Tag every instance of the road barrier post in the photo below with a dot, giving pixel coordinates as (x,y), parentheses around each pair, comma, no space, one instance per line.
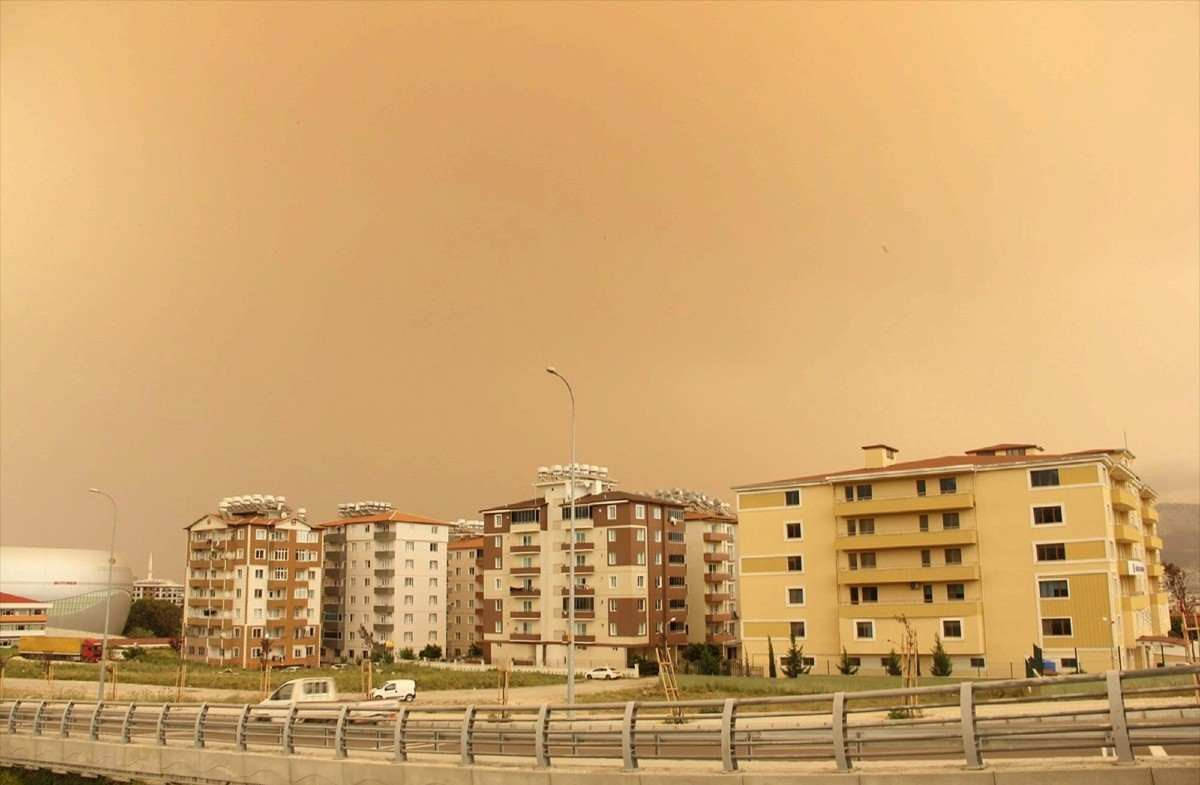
(239,736)
(966,707)
(339,735)
(468,727)
(1116,716)
(398,740)
(126,724)
(198,730)
(541,738)
(64,724)
(94,729)
(289,724)
(838,722)
(628,737)
(37,718)
(729,760)
(160,727)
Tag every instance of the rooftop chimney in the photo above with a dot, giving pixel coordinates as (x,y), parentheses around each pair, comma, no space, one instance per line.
(879,455)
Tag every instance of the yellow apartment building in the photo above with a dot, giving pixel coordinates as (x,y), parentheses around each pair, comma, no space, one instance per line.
(994,550)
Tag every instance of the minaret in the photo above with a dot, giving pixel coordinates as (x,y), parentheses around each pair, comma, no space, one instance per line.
(150,568)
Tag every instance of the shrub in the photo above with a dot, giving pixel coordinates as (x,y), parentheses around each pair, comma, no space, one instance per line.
(407,653)
(431,652)
(474,651)
(941,660)
(793,661)
(771,659)
(844,667)
(892,663)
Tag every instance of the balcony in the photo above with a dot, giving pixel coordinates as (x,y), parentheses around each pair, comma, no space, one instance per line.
(1130,568)
(526,614)
(949,572)
(335,539)
(717,577)
(385,572)
(716,537)
(1135,602)
(382,626)
(579,546)
(383,608)
(525,636)
(715,618)
(521,591)
(716,557)
(915,610)
(673,638)
(1123,499)
(525,526)
(904,504)
(713,599)
(581,615)
(580,569)
(722,637)
(385,589)
(579,590)
(1154,570)
(917,539)
(525,570)
(1154,543)
(525,549)
(384,536)
(1149,514)
(1123,533)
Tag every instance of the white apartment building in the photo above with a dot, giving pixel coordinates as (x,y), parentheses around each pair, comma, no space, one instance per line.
(385,581)
(151,588)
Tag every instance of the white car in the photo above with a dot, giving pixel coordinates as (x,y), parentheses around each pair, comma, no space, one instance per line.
(602,673)
(396,689)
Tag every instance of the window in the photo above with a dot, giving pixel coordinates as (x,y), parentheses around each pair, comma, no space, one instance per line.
(849,489)
(956,591)
(948,485)
(923,523)
(795,595)
(612,535)
(866,525)
(866,559)
(854,592)
(952,628)
(1049,514)
(795,563)
(1060,627)
(920,487)
(639,512)
(1043,478)
(612,512)
(612,629)
(864,630)
(1054,589)
(641,535)
(658,513)
(641,581)
(791,498)
(1054,551)
(612,558)
(925,558)
(870,594)
(497,521)
(1070,662)
(525,516)
(797,629)
(794,531)
(863,492)
(260,553)
(927,592)
(852,557)
(953,555)
(978,662)
(641,557)
(949,520)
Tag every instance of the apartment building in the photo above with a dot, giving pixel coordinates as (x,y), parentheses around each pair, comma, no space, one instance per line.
(993,551)
(385,581)
(253,585)
(630,572)
(151,588)
(464,597)
(712,580)
(21,617)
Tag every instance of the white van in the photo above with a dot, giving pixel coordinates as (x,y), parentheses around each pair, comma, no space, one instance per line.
(396,689)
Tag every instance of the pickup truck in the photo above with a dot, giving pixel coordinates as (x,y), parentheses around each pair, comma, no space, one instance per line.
(320,692)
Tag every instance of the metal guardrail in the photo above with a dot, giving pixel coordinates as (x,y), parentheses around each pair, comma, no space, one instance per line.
(970,721)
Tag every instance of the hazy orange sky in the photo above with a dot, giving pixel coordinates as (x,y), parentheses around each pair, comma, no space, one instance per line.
(326,250)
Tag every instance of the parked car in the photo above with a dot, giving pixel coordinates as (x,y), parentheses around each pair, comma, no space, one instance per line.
(318,692)
(602,673)
(396,689)
(290,669)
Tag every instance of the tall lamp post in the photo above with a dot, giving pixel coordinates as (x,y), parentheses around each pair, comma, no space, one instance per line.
(570,548)
(107,592)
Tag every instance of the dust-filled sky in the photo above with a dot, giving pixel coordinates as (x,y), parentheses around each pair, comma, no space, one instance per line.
(327,250)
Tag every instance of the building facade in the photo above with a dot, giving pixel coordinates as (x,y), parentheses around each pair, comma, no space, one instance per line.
(712,580)
(75,581)
(385,581)
(993,551)
(464,597)
(21,617)
(630,573)
(253,591)
(151,588)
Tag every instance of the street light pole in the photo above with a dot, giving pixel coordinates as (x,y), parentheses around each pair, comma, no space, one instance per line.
(570,548)
(112,547)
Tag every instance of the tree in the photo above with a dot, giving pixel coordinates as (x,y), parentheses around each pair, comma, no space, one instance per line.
(941,660)
(1175,582)
(160,617)
(1035,666)
(845,667)
(431,652)
(407,653)
(474,651)
(771,659)
(138,632)
(793,661)
(892,663)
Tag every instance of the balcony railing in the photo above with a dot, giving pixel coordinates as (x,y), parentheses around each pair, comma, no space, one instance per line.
(904,504)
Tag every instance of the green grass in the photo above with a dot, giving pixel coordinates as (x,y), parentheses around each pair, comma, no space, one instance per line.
(160,668)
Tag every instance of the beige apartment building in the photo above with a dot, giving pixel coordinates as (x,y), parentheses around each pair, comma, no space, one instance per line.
(385,581)
(712,580)
(253,585)
(994,550)
(464,597)
(630,573)
(151,588)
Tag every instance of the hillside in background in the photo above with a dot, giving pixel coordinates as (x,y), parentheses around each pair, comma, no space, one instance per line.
(1179,527)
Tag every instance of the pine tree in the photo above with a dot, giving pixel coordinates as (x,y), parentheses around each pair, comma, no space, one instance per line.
(845,667)
(941,660)
(793,661)
(771,659)
(892,663)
